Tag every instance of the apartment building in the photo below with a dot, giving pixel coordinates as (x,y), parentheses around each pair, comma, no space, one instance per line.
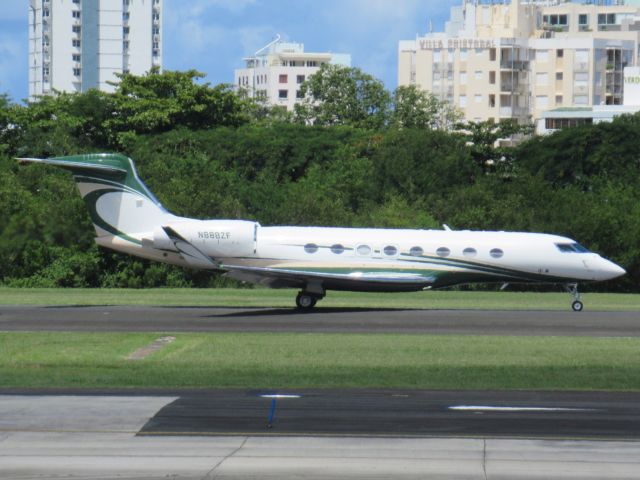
(517,59)
(75,45)
(276,72)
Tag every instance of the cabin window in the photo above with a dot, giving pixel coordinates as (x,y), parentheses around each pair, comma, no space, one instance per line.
(469,252)
(443,252)
(311,248)
(496,253)
(571,248)
(337,249)
(416,252)
(363,250)
(390,250)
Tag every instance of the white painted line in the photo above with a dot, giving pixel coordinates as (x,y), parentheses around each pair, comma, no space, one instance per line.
(490,408)
(280,396)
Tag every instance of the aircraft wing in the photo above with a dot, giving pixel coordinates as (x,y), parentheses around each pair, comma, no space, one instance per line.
(356,280)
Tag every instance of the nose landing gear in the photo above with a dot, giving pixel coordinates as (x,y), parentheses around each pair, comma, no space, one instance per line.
(576,305)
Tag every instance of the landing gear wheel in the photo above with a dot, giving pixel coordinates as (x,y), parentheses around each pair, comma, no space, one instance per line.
(304,301)
(576,305)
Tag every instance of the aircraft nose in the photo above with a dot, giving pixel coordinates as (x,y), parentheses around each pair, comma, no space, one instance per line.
(609,270)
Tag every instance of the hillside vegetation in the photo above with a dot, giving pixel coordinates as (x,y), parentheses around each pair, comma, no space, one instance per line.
(361,157)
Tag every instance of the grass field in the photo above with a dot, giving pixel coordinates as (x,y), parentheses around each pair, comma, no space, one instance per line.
(226,297)
(248,360)
(280,360)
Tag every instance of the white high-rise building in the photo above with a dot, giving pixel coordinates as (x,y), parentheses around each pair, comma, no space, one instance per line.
(276,71)
(76,45)
(519,58)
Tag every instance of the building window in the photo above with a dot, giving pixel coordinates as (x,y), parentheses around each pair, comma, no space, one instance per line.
(463,54)
(492,54)
(283,78)
(156,16)
(560,123)
(559,75)
(75,43)
(76,72)
(125,3)
(492,100)
(125,45)
(156,30)
(463,78)
(583,21)
(75,14)
(299,94)
(542,101)
(45,70)
(75,57)
(606,19)
(76,1)
(555,19)
(125,16)
(75,29)
(492,78)
(558,99)
(478,98)
(45,12)
(542,55)
(559,53)
(283,94)
(125,30)
(462,101)
(478,74)
(155,52)
(312,63)
(300,79)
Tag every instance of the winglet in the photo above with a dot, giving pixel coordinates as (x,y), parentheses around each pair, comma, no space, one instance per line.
(189,252)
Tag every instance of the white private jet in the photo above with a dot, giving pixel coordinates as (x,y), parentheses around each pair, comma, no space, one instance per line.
(128,218)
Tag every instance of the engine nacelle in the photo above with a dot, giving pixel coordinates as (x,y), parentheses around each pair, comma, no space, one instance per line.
(217,238)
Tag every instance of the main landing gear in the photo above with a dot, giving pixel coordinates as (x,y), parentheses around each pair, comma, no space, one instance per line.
(576,305)
(307,300)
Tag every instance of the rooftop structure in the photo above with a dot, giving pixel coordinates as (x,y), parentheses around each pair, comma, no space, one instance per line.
(276,71)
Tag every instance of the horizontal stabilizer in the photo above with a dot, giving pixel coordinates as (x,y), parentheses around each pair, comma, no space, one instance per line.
(76,166)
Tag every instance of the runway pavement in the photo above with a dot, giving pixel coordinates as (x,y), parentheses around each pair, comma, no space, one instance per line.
(352,320)
(107,436)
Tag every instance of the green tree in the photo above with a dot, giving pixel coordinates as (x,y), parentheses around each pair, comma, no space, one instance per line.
(484,142)
(416,108)
(338,95)
(157,102)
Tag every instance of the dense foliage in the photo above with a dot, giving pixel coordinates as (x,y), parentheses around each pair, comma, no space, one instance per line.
(362,157)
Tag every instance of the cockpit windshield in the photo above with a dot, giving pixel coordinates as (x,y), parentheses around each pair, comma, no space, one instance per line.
(571,248)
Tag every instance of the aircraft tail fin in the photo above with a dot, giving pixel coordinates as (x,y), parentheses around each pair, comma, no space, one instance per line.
(118,202)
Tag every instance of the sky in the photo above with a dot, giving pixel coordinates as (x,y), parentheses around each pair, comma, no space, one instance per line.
(212,36)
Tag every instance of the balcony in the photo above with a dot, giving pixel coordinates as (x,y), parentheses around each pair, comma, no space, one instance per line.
(514,64)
